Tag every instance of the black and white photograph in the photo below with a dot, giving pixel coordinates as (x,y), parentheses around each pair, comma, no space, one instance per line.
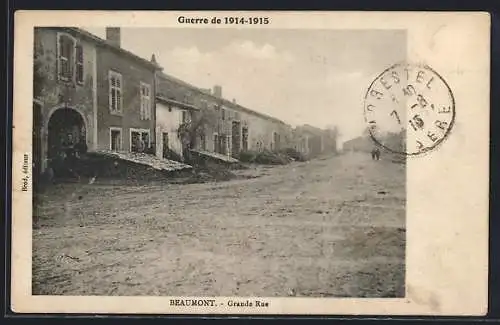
(204,162)
(231,155)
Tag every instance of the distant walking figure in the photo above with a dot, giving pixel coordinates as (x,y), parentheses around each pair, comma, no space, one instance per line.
(376,154)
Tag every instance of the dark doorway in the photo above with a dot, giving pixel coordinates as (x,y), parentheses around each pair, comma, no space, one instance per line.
(165,145)
(223,144)
(236,141)
(203,141)
(216,143)
(244,139)
(64,121)
(315,145)
(65,125)
(276,141)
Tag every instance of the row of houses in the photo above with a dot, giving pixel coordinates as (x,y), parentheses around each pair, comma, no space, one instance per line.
(111,99)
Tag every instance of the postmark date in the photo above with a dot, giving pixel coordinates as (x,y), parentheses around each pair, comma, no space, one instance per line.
(411,103)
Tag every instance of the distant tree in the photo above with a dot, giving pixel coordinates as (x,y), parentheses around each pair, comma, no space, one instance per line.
(333,135)
(367,131)
(396,141)
(191,130)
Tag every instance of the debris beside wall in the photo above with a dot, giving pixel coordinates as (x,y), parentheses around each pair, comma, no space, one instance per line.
(131,166)
(146,159)
(216,156)
(211,160)
(265,157)
(294,154)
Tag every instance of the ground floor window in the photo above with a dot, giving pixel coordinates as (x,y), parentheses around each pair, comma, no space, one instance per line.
(222,144)
(115,136)
(139,140)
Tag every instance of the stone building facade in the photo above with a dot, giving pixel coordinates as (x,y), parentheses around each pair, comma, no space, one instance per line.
(110,99)
(232,128)
(359,144)
(90,88)
(65,96)
(125,97)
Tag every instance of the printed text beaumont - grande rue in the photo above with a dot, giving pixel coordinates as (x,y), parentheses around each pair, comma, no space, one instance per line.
(214,303)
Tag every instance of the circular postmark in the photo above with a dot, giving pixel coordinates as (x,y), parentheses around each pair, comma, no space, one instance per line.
(409,109)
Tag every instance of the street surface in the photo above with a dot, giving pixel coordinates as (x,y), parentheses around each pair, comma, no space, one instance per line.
(331,227)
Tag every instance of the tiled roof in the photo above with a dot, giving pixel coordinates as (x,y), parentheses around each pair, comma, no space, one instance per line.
(175,102)
(106,44)
(145,159)
(217,156)
(224,101)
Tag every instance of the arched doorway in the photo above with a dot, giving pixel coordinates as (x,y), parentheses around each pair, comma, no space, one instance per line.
(62,122)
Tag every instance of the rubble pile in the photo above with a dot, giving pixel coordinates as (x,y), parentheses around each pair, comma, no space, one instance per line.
(132,166)
(216,156)
(212,160)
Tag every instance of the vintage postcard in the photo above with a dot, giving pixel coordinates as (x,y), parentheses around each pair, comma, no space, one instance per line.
(330,163)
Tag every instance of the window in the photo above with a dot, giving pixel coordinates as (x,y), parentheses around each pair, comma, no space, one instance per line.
(188,99)
(185,116)
(115,142)
(79,64)
(115,92)
(139,140)
(69,59)
(145,101)
(204,104)
(223,114)
(65,56)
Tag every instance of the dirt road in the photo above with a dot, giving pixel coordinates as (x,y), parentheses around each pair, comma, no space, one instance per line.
(328,227)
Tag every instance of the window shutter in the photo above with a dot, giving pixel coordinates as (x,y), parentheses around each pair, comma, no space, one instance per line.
(111,90)
(67,56)
(118,100)
(59,49)
(148,108)
(79,64)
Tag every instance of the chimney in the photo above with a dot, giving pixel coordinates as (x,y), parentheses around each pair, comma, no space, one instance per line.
(113,36)
(234,100)
(153,59)
(218,91)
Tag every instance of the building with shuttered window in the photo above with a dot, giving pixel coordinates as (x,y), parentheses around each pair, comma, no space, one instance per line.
(92,88)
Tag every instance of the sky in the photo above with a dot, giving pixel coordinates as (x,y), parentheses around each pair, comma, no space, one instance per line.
(316,77)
